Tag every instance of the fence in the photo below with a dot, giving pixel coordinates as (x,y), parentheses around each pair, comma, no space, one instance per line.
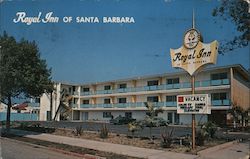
(19,117)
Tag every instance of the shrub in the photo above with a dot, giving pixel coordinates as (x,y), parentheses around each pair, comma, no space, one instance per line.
(3,123)
(23,125)
(200,138)
(134,126)
(209,129)
(78,131)
(167,138)
(3,132)
(104,132)
(36,125)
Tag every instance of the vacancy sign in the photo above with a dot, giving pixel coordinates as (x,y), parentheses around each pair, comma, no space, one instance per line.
(193,104)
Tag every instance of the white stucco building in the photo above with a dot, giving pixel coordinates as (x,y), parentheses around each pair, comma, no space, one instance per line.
(227,86)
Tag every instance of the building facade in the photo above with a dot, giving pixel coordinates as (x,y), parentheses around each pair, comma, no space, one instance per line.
(227,86)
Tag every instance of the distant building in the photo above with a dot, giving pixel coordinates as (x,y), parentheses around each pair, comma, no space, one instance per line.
(228,86)
(3,107)
(20,112)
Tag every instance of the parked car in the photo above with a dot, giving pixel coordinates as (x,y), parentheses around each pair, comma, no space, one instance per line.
(121,120)
(156,122)
(161,122)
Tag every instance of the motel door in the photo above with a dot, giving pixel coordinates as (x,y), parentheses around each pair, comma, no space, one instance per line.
(85,116)
(173,118)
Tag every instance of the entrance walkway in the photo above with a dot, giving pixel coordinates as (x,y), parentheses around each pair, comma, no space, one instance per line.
(108,147)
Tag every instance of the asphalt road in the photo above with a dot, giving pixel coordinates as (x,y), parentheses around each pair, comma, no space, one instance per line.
(119,129)
(12,149)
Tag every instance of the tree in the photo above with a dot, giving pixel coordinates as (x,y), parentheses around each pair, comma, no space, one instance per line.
(238,12)
(151,117)
(22,71)
(238,114)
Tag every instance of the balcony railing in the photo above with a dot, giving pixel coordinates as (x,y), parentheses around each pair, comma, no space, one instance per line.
(219,82)
(206,83)
(128,105)
(224,102)
(73,105)
(171,104)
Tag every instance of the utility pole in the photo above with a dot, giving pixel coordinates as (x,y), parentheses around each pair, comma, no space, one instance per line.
(51,104)
(0,66)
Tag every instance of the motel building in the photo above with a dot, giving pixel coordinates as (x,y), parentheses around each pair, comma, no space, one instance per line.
(226,86)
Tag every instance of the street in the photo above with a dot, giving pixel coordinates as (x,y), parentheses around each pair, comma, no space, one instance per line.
(12,149)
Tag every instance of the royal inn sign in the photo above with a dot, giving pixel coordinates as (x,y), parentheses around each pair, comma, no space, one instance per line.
(194,54)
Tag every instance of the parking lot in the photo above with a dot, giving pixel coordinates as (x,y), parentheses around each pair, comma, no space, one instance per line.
(119,129)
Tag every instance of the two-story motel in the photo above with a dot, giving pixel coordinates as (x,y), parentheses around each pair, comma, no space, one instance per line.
(227,86)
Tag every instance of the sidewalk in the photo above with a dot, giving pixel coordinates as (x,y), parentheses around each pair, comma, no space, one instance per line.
(108,147)
(231,150)
(228,151)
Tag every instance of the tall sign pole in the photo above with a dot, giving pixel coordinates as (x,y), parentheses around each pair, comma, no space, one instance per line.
(193,92)
(194,55)
(193,115)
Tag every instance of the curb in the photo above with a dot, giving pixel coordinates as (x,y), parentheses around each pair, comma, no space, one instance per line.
(84,156)
(236,133)
(216,148)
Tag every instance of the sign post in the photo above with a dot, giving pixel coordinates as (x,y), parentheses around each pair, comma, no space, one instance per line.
(193,115)
(192,56)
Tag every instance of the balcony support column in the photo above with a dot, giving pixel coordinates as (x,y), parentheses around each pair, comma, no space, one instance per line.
(133,99)
(134,83)
(160,98)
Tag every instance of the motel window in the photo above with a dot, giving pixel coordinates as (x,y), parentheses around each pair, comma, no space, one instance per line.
(153,83)
(128,115)
(170,117)
(149,114)
(124,85)
(107,87)
(176,118)
(85,89)
(171,98)
(152,99)
(85,102)
(107,115)
(218,76)
(37,100)
(122,100)
(219,96)
(74,88)
(75,100)
(173,81)
(70,90)
(107,101)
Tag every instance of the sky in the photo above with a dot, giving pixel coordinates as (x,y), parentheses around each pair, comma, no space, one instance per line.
(95,52)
